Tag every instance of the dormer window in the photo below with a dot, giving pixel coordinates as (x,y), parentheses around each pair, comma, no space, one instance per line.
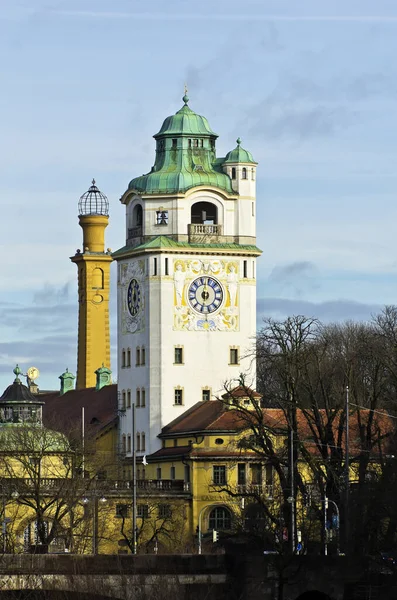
(244,173)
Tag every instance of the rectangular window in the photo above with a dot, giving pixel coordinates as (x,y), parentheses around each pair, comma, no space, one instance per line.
(123,444)
(166,266)
(256,474)
(138,442)
(142,511)
(138,397)
(172,473)
(128,357)
(178,397)
(174,143)
(253,269)
(253,209)
(155,266)
(143,397)
(165,511)
(143,442)
(158,473)
(128,398)
(178,355)
(219,474)
(123,358)
(206,395)
(245,269)
(162,217)
(122,511)
(187,474)
(129,443)
(233,358)
(143,356)
(123,402)
(241,474)
(138,357)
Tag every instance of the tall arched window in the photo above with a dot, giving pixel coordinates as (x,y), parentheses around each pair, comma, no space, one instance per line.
(137,216)
(244,173)
(97,279)
(219,518)
(233,172)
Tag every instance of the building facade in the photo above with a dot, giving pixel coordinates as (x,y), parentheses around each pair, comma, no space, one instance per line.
(186,278)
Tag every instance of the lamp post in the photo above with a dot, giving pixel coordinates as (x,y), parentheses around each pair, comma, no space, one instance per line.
(96,500)
(347,475)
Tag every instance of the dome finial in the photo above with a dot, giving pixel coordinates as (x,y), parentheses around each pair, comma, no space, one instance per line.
(93,181)
(17,371)
(185,97)
(238,141)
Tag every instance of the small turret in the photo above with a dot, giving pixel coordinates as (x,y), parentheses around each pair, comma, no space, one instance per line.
(103,377)
(241,168)
(67,382)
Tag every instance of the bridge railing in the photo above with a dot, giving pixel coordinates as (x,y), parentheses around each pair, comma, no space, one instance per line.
(111,487)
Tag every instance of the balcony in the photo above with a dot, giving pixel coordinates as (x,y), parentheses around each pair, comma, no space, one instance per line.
(201,233)
(134,236)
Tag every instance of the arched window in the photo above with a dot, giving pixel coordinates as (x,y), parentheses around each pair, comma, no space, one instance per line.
(233,172)
(137,216)
(244,173)
(253,174)
(219,518)
(205,213)
(97,279)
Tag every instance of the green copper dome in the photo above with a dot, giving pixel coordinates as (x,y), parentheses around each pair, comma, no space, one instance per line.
(239,155)
(185,157)
(186,122)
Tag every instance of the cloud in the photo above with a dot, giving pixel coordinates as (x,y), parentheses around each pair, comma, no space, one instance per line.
(296,277)
(52,295)
(328,311)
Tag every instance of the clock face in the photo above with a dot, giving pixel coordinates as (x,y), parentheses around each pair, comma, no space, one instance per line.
(134,297)
(205,295)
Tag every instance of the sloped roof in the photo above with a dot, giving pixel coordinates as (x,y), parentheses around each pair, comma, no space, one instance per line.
(64,413)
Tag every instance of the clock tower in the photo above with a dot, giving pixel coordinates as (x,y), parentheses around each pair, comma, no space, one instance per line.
(186,278)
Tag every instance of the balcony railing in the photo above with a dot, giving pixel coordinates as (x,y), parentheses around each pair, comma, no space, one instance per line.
(201,230)
(134,232)
(50,485)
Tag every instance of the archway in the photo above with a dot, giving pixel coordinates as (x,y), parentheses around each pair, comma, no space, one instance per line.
(137,216)
(204,213)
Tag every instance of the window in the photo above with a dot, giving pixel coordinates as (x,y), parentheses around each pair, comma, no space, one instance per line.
(155,266)
(128,357)
(138,442)
(143,356)
(128,398)
(123,444)
(137,216)
(178,397)
(122,511)
(175,443)
(158,473)
(269,480)
(143,442)
(138,357)
(190,143)
(172,473)
(253,208)
(129,443)
(219,474)
(174,143)
(233,172)
(123,400)
(219,518)
(195,143)
(219,441)
(244,173)
(162,217)
(256,474)
(187,474)
(123,358)
(138,397)
(245,269)
(178,355)
(253,174)
(143,397)
(206,395)
(142,511)
(233,358)
(166,267)
(165,511)
(241,474)
(253,269)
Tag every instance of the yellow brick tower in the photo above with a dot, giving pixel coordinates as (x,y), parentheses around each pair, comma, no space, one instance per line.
(93,265)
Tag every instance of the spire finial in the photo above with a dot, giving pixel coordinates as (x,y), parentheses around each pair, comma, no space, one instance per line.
(17,371)
(93,181)
(238,141)
(185,97)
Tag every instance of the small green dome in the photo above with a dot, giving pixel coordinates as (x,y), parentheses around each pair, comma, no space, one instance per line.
(186,122)
(239,155)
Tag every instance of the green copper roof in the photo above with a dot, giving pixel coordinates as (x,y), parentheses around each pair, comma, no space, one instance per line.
(185,157)
(186,122)
(165,242)
(239,155)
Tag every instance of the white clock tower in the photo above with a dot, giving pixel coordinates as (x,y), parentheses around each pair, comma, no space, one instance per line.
(186,278)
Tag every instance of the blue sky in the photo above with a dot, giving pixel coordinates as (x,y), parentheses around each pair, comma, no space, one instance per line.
(311,89)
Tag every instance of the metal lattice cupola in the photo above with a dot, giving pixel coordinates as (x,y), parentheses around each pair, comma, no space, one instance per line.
(93,202)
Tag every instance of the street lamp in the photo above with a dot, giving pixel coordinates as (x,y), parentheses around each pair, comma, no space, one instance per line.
(86,501)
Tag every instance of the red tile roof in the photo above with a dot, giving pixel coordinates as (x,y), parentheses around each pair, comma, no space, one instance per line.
(64,413)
